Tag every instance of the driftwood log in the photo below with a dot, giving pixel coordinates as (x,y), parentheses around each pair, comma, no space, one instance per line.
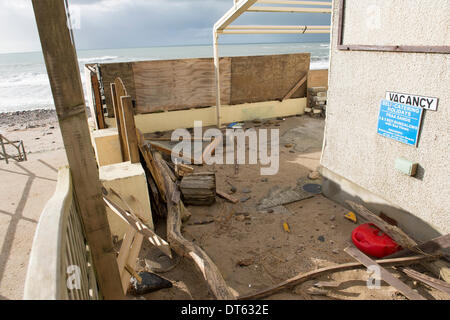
(183,247)
(199,189)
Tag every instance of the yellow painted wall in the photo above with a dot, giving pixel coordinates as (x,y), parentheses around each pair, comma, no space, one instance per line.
(130,182)
(107,146)
(166,121)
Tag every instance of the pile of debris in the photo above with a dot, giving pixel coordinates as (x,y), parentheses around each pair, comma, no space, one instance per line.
(317,101)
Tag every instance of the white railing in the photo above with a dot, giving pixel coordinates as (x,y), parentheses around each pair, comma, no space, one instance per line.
(60,266)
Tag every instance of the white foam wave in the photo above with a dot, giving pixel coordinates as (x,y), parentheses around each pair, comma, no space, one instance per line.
(96,59)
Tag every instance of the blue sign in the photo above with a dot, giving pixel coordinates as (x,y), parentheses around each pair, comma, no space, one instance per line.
(400,122)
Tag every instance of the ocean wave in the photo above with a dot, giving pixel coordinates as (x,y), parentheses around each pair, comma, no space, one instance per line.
(95,59)
(24,79)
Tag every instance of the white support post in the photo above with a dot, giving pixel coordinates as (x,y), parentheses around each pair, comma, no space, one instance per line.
(217,72)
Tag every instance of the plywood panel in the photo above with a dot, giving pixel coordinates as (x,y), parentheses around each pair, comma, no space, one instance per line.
(266,78)
(109,73)
(179,84)
(318,78)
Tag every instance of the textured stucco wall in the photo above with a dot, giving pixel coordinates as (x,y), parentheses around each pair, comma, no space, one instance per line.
(399,22)
(352,148)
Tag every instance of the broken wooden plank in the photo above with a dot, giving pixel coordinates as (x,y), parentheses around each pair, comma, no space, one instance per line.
(119,126)
(432,282)
(183,247)
(342,267)
(150,235)
(433,246)
(385,275)
(226,196)
(168,151)
(295,88)
(130,128)
(394,232)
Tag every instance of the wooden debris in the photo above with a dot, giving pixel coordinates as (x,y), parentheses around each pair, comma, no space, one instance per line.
(129,251)
(226,196)
(150,235)
(133,273)
(432,282)
(385,275)
(199,189)
(183,247)
(327,284)
(394,232)
(437,268)
(342,267)
(245,262)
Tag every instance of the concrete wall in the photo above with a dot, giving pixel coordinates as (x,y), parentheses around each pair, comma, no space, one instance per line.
(355,157)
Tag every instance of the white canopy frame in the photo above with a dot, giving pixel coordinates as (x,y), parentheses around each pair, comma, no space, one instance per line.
(222,26)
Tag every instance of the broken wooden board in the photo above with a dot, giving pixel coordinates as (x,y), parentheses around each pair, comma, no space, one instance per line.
(432,282)
(129,252)
(141,228)
(342,267)
(385,275)
(226,196)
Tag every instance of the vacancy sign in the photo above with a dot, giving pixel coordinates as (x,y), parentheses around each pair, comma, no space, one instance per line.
(400,122)
(427,103)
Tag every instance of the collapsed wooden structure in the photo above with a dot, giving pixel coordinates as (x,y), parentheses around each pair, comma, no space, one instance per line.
(17,145)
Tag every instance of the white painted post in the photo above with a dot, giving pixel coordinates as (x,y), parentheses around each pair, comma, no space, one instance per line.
(217,72)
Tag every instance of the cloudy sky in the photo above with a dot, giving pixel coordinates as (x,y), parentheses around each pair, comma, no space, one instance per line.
(143,23)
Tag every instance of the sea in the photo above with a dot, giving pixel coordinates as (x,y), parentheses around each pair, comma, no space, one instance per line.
(24,83)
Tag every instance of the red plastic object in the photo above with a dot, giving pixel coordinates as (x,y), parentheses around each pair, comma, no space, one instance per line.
(372,241)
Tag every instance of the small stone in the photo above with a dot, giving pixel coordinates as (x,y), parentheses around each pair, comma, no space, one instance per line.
(245,262)
(335,251)
(270,211)
(291,151)
(314,175)
(265,180)
(240,217)
(321,238)
(245,199)
(246,190)
(233,189)
(333,226)
(332,218)
(288,145)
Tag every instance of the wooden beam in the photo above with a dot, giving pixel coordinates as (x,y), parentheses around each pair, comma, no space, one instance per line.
(385,275)
(116,105)
(98,102)
(434,246)
(255,27)
(289,9)
(316,273)
(120,91)
(140,227)
(130,129)
(234,13)
(64,75)
(432,282)
(293,2)
(296,87)
(210,148)
(226,196)
(278,31)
